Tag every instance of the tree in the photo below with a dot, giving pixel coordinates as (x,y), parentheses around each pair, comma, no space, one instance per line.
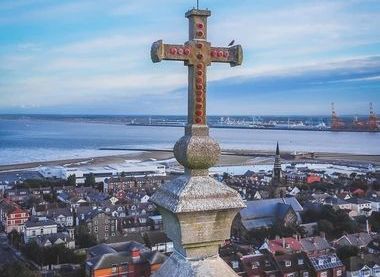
(72,180)
(15,238)
(83,238)
(374,221)
(17,269)
(90,180)
(347,251)
(325,226)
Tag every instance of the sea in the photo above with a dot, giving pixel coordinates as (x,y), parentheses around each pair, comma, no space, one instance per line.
(31,139)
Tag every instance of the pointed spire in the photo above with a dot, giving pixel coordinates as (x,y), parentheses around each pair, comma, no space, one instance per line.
(277,149)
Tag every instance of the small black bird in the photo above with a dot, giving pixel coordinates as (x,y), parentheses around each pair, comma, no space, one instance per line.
(231,43)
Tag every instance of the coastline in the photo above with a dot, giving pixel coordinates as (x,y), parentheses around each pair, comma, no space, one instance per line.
(228,158)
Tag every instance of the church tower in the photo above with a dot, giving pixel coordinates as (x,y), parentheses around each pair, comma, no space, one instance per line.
(277,173)
(278,188)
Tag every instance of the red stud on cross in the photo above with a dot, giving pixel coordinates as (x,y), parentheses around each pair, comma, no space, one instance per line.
(197,53)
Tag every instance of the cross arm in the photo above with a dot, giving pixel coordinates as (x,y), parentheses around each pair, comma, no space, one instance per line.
(176,52)
(232,55)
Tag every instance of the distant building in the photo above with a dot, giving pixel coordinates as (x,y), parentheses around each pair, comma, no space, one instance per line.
(282,245)
(360,206)
(17,195)
(293,265)
(56,239)
(158,241)
(12,216)
(257,264)
(122,259)
(278,188)
(103,172)
(315,246)
(39,227)
(363,266)
(265,213)
(101,225)
(62,216)
(360,240)
(327,266)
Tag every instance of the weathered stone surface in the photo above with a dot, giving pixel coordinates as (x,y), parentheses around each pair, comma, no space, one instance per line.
(196,193)
(177,265)
(197,210)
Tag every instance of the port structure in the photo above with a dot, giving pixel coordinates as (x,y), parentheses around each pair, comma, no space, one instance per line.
(372,119)
(336,122)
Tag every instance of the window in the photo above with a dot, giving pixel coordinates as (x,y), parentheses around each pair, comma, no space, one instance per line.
(288,263)
(235,264)
(300,261)
(96,229)
(305,274)
(290,275)
(333,259)
(114,268)
(255,264)
(324,274)
(339,272)
(42,231)
(320,262)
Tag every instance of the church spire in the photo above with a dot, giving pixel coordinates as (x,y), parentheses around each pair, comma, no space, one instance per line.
(277,150)
(277,167)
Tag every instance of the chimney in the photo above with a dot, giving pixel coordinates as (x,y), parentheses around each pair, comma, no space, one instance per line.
(135,254)
(322,235)
(367,226)
(283,243)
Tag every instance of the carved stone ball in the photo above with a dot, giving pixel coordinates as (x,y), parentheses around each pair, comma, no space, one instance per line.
(197,152)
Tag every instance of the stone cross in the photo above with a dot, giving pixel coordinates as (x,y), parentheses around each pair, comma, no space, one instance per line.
(197,210)
(197,53)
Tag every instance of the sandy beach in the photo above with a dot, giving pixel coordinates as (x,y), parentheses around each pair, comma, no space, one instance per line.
(228,157)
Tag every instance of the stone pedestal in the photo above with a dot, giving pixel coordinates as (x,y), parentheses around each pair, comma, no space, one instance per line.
(197,210)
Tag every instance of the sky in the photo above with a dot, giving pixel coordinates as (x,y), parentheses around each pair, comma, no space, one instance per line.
(93,57)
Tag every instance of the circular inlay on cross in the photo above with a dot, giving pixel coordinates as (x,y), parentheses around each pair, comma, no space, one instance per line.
(200,56)
(187,51)
(200,34)
(199,86)
(199,99)
(198,112)
(199,66)
(198,120)
(173,50)
(200,25)
(200,72)
(199,92)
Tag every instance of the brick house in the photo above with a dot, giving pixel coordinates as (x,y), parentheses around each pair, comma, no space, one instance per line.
(12,216)
(294,265)
(122,259)
(327,266)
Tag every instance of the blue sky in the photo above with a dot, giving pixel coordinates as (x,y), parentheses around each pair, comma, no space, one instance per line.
(93,57)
